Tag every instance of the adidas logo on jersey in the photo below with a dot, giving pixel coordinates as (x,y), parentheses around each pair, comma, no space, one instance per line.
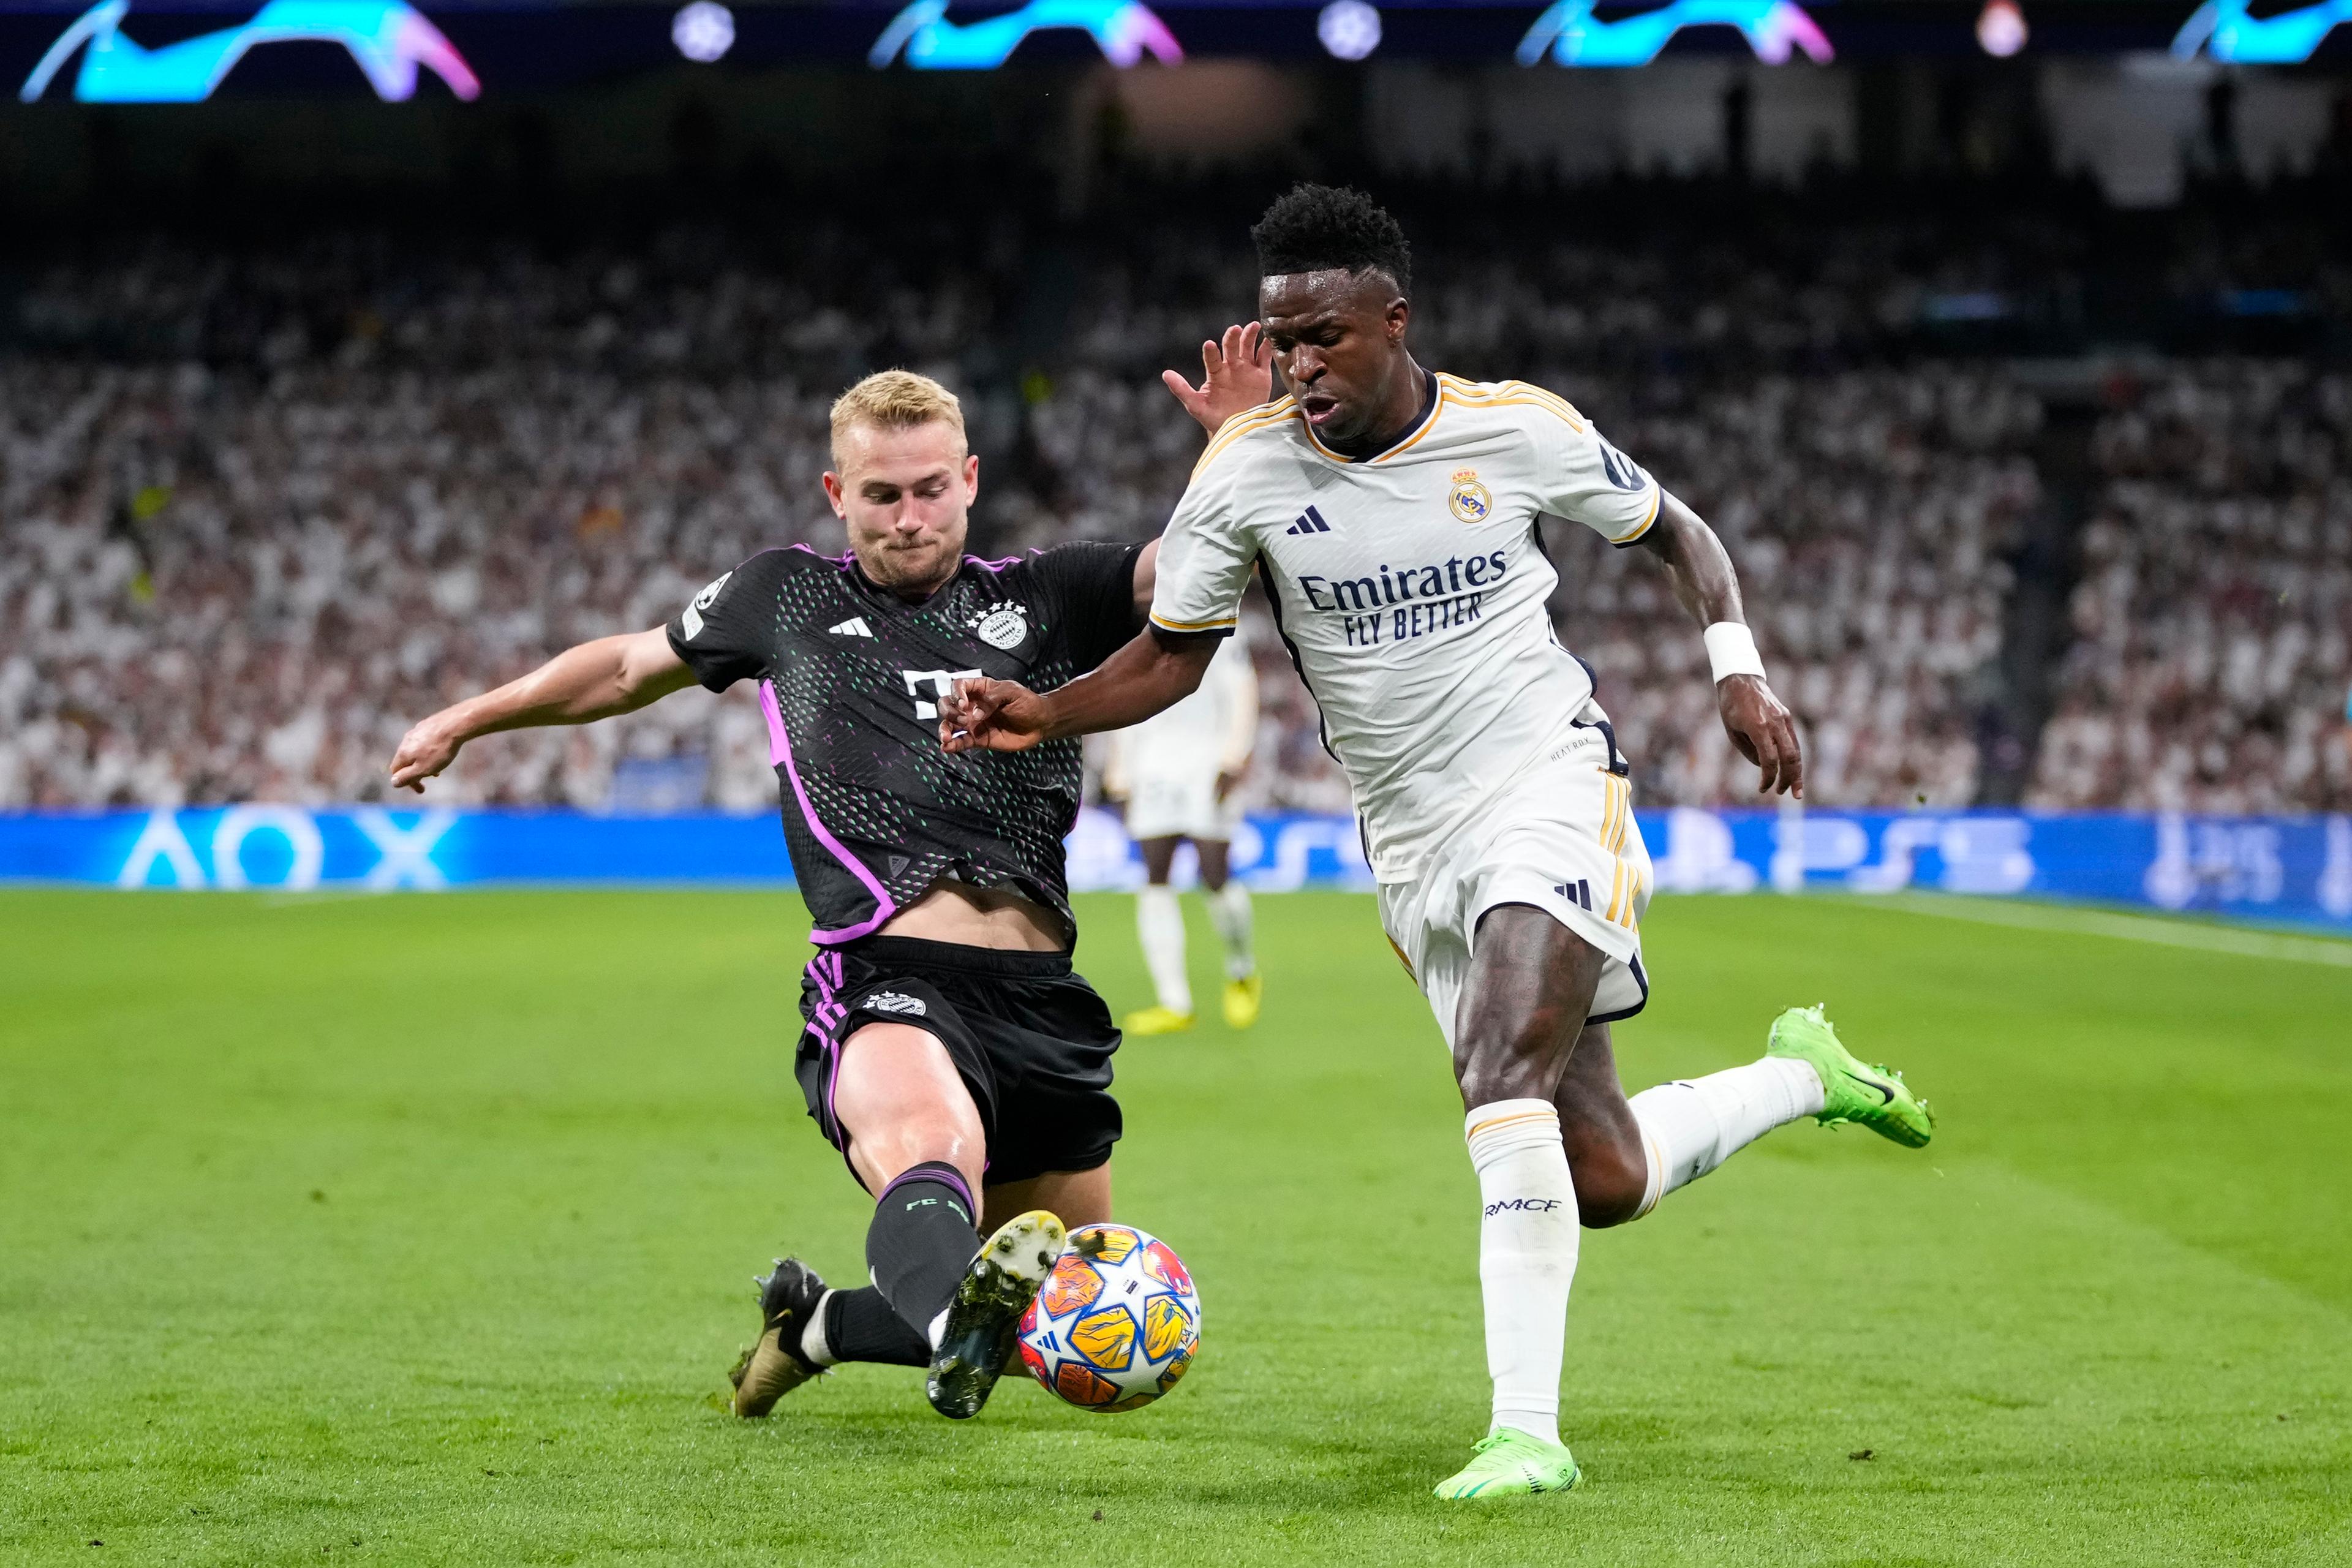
(1310,522)
(854,626)
(1577,892)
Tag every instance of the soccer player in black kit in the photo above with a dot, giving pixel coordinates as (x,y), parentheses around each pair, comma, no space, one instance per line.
(947,1050)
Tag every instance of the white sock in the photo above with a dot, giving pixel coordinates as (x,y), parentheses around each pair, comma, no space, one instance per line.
(1159,926)
(1229,912)
(1691,1126)
(1527,1257)
(814,1348)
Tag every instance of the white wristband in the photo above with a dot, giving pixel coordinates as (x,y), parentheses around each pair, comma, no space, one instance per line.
(1731,650)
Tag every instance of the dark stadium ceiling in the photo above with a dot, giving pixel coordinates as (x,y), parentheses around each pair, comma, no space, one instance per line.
(165,51)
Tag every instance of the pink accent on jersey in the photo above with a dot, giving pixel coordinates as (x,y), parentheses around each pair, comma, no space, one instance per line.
(779,751)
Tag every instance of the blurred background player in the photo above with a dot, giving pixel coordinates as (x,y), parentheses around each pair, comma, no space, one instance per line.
(1179,773)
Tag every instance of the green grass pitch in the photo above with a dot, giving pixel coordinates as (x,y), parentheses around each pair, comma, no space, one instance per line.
(420,1229)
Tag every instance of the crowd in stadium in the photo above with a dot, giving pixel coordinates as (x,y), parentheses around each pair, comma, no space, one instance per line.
(2213,622)
(257,515)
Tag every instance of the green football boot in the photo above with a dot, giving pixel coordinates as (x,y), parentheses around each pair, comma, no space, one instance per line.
(1510,1463)
(1873,1097)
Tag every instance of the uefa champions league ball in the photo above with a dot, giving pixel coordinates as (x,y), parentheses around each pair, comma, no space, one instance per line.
(1116,1323)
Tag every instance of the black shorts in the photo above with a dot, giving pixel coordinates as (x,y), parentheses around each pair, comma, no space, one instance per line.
(1030,1039)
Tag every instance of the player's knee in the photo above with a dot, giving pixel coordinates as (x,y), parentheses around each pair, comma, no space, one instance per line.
(1610,1182)
(881,1147)
(947,1131)
(1522,1063)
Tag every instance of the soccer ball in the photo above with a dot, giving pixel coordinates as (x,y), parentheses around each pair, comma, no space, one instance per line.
(1117,1321)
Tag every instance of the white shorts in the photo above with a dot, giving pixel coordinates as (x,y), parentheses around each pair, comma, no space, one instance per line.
(1172,803)
(1561,838)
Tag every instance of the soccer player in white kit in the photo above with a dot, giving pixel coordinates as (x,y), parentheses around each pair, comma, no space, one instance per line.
(1394,515)
(1177,772)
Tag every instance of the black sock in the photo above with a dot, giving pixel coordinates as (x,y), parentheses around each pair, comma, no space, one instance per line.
(922,1242)
(860,1326)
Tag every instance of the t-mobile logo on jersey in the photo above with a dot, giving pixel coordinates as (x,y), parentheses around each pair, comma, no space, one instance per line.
(941,683)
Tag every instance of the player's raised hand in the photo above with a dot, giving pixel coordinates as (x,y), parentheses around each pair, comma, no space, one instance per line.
(427,748)
(991,716)
(1759,725)
(1236,374)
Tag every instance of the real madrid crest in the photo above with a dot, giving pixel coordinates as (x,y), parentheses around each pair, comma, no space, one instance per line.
(1470,501)
(1002,626)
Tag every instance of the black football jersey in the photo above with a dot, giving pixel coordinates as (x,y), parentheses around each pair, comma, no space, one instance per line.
(850,679)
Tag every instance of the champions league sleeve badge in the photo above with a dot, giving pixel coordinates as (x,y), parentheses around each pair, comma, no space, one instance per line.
(692,619)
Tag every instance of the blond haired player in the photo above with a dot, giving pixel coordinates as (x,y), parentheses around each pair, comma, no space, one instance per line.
(947,1049)
(1177,771)
(1394,515)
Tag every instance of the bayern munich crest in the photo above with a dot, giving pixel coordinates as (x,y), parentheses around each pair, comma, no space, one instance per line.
(1002,626)
(1470,501)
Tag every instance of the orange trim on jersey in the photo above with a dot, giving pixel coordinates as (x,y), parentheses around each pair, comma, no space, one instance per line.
(1556,409)
(1512,1120)
(1567,410)
(1242,425)
(1657,1162)
(1514,394)
(1657,497)
(1194,626)
(1436,407)
(1317,441)
(1264,416)
(1427,427)
(1253,411)
(1615,795)
(1409,974)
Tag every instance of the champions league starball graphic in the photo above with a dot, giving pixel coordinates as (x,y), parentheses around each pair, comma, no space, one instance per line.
(2228,31)
(1124,30)
(387,39)
(1573,35)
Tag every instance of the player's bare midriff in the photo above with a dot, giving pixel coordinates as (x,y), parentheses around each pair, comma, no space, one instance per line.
(980,917)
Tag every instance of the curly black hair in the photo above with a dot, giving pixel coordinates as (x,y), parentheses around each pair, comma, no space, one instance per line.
(1315,228)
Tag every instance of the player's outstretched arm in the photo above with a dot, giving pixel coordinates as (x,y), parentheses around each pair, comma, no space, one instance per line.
(1701,573)
(1158,669)
(1237,375)
(594,680)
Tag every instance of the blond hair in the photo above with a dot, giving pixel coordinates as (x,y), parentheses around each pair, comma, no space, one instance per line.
(894,400)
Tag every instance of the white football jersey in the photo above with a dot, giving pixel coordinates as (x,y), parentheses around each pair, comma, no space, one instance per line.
(1210,732)
(1410,587)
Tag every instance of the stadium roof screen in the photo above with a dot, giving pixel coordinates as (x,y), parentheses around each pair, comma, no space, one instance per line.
(182,51)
